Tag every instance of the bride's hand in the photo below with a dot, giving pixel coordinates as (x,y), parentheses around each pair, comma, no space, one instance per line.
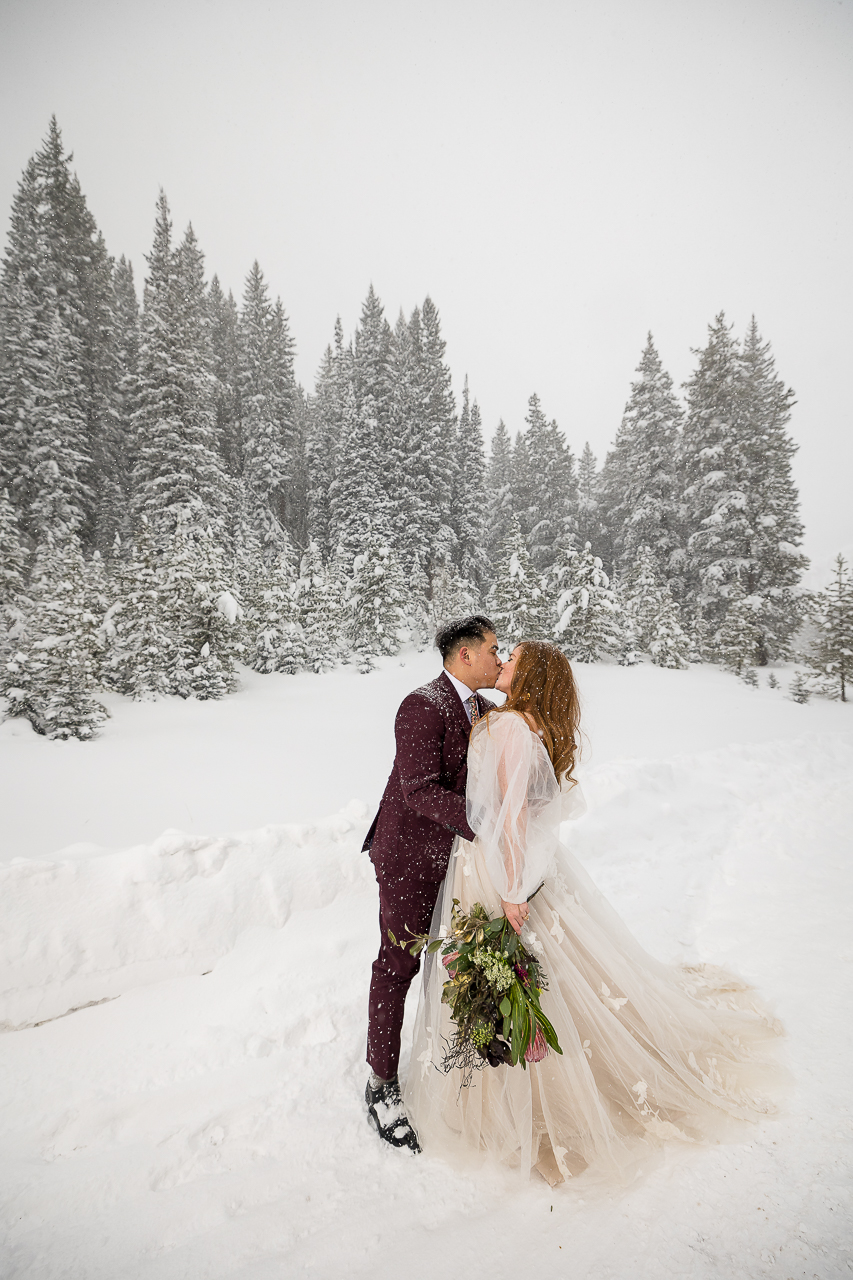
(516,913)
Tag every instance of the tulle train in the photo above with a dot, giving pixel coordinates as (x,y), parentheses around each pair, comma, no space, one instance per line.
(650,1051)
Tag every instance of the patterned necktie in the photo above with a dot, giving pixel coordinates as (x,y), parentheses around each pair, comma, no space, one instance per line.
(473,708)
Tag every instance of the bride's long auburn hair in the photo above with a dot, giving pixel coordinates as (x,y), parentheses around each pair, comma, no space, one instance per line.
(543,685)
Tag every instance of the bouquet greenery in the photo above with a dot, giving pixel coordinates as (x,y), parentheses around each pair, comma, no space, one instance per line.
(493,988)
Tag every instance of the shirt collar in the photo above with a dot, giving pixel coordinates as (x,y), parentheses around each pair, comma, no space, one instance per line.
(462,689)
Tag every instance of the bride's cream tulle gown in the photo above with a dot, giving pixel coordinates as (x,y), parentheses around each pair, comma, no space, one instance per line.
(650,1051)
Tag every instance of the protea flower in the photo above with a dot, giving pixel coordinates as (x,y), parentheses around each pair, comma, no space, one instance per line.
(536,1051)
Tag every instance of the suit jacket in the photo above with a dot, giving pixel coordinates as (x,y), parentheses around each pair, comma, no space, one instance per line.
(423,807)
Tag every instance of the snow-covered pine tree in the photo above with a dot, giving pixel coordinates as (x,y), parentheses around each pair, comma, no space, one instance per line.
(499,488)
(116,457)
(51,676)
(277,638)
(318,611)
(377,603)
(452,596)
(201,610)
(469,503)
(590,527)
(46,455)
(215,620)
(324,435)
(180,570)
(224,321)
(291,412)
(370,362)
(56,272)
(421,457)
(739,502)
(736,641)
(357,500)
(700,647)
(22,300)
(775,561)
(411,457)
(441,424)
(587,610)
(178,466)
(84,293)
(638,486)
(550,489)
(516,603)
(772,682)
(13,553)
(714,473)
(799,689)
(669,644)
(831,654)
(522,485)
(651,617)
(640,595)
(140,645)
(14,564)
(100,593)
(266,415)
(59,458)
(630,651)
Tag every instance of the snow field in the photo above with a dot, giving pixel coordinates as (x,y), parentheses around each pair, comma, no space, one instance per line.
(210,1124)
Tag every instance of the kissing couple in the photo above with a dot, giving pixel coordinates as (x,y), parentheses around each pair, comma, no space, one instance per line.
(472,812)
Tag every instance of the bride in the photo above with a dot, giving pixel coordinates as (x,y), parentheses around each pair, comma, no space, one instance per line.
(649,1051)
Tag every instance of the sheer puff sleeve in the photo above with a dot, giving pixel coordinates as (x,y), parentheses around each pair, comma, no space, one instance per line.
(514,804)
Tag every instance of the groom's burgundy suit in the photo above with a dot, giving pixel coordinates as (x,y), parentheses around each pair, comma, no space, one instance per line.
(410,840)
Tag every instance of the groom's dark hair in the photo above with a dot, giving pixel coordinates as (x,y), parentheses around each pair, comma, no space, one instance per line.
(452,636)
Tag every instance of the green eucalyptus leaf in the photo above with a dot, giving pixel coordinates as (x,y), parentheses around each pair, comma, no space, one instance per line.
(434,946)
(548,1032)
(517,1001)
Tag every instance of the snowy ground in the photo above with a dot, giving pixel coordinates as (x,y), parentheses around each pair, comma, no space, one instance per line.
(204,1120)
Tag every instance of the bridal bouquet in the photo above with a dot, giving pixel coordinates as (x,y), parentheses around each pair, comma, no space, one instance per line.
(493,988)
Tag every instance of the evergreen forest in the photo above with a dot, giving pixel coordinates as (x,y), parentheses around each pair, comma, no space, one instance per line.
(173,503)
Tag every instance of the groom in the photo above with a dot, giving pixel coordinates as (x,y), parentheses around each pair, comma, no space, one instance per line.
(411,837)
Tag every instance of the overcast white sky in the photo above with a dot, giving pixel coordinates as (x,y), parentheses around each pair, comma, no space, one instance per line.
(560,177)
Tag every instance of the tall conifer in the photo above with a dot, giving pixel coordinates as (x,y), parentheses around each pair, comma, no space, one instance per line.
(358,501)
(739,503)
(264,414)
(552,496)
(469,500)
(117,455)
(516,603)
(224,322)
(178,466)
(51,675)
(831,653)
(324,436)
(587,610)
(499,487)
(638,488)
(56,365)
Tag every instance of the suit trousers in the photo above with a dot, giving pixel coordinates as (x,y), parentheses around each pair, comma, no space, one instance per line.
(404,904)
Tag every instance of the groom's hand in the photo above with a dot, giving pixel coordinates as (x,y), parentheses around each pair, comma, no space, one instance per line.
(516,913)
